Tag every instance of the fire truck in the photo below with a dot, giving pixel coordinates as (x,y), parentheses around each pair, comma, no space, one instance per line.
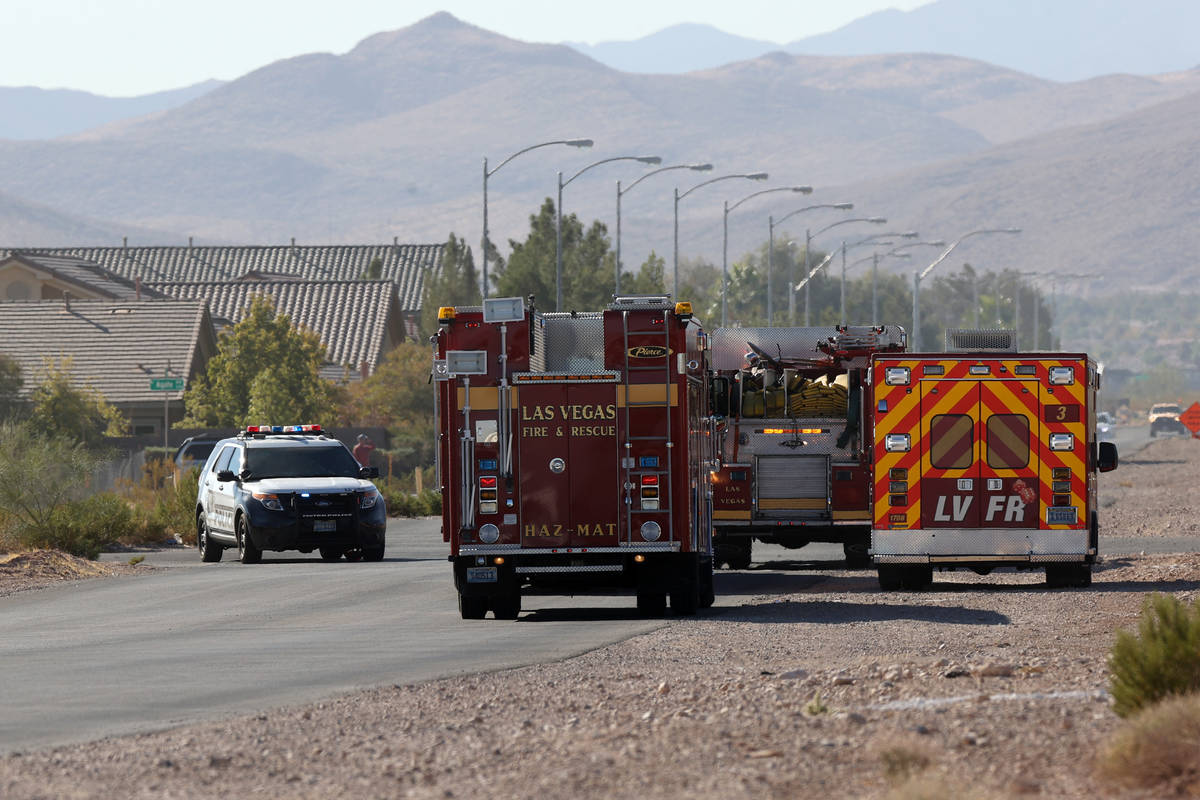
(794,456)
(985,458)
(573,452)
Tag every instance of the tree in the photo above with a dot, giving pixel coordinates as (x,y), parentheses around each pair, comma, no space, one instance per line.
(265,371)
(455,284)
(80,414)
(374,270)
(10,385)
(649,279)
(587,264)
(399,397)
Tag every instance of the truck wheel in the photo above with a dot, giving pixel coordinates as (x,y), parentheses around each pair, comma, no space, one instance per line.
(331,553)
(1083,576)
(1058,576)
(209,550)
(858,553)
(507,606)
(916,578)
(708,594)
(735,555)
(889,577)
(247,552)
(472,606)
(651,604)
(372,553)
(354,555)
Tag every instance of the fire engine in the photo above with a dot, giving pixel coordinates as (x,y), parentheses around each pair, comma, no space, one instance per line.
(985,458)
(794,463)
(574,451)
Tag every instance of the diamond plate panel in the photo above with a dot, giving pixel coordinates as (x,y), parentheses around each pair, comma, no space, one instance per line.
(982,541)
(572,342)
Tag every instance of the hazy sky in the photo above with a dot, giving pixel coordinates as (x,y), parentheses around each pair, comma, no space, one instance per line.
(130,47)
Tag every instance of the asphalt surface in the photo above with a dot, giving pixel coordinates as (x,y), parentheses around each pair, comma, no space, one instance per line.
(195,641)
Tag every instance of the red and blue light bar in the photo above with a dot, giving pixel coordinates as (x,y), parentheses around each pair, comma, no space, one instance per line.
(283,429)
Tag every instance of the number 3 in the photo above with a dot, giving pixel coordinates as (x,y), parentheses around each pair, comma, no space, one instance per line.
(1062,413)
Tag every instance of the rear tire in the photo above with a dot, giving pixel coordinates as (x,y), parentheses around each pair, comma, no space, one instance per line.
(734,552)
(652,604)
(889,578)
(372,553)
(472,606)
(247,552)
(210,551)
(331,554)
(916,578)
(507,606)
(708,594)
(857,552)
(1083,576)
(354,555)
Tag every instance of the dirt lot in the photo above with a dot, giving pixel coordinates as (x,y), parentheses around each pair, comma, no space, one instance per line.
(983,687)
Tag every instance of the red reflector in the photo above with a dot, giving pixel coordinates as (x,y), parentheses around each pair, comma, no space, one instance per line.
(488,482)
(472,324)
(649,480)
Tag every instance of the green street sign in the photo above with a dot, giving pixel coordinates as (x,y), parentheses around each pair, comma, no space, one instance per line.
(166,384)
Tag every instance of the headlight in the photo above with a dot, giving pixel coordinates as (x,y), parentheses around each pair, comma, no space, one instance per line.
(368,499)
(269,501)
(651,531)
(489,533)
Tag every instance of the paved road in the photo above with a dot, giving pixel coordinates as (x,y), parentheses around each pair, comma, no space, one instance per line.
(196,641)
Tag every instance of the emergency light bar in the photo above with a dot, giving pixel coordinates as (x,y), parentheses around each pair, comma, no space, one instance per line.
(283,429)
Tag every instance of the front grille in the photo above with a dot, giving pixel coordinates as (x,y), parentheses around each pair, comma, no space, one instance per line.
(326,506)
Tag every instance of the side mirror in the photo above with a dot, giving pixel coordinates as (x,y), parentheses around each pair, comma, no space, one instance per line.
(226,475)
(368,472)
(1107,461)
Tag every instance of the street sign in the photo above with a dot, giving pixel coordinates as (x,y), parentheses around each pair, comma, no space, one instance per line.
(166,384)
(1191,418)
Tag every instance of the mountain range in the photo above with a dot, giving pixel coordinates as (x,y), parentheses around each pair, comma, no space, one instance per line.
(1064,40)
(388,140)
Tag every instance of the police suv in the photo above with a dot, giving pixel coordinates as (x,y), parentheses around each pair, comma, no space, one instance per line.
(288,487)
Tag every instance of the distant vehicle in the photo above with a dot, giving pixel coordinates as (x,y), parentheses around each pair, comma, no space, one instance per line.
(1105,427)
(1164,419)
(194,451)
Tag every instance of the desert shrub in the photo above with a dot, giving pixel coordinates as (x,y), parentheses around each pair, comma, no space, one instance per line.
(175,504)
(1157,749)
(1161,660)
(81,527)
(901,761)
(402,503)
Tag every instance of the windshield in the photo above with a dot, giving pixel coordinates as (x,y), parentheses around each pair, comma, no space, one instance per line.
(1166,408)
(198,451)
(300,462)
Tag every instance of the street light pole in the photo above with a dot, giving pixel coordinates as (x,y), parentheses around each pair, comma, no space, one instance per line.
(558,292)
(725,241)
(620,192)
(487,174)
(873,239)
(753,176)
(809,273)
(918,276)
(771,223)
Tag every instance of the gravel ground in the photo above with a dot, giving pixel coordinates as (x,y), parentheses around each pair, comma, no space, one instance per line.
(983,687)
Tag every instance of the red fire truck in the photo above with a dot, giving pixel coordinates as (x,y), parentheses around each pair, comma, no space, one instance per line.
(985,459)
(574,451)
(794,466)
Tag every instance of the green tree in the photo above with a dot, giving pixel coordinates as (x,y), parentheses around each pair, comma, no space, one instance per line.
(650,277)
(455,284)
(264,366)
(587,264)
(78,413)
(399,397)
(374,270)
(10,386)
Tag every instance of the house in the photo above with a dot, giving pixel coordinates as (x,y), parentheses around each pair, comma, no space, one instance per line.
(115,346)
(405,265)
(358,321)
(43,276)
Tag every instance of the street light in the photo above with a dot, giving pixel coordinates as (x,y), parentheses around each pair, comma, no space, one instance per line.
(809,273)
(558,293)
(919,276)
(869,240)
(620,191)
(487,174)
(752,176)
(725,240)
(771,223)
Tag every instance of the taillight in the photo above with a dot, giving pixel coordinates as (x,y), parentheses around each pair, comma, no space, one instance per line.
(649,492)
(489,494)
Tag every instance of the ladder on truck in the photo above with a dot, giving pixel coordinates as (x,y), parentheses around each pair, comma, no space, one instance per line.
(625,305)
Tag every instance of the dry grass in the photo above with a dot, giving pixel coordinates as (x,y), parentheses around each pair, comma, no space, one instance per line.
(903,762)
(1158,749)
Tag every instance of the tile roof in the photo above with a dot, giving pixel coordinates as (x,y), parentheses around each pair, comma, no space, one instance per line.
(116,347)
(403,264)
(74,270)
(358,321)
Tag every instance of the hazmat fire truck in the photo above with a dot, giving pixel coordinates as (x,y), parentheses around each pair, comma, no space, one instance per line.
(985,458)
(573,452)
(794,456)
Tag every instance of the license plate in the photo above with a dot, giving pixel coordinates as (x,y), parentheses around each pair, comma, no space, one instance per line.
(1062,515)
(324,525)
(481,574)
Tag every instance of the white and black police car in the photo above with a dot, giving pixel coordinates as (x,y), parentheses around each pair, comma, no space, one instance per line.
(288,487)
